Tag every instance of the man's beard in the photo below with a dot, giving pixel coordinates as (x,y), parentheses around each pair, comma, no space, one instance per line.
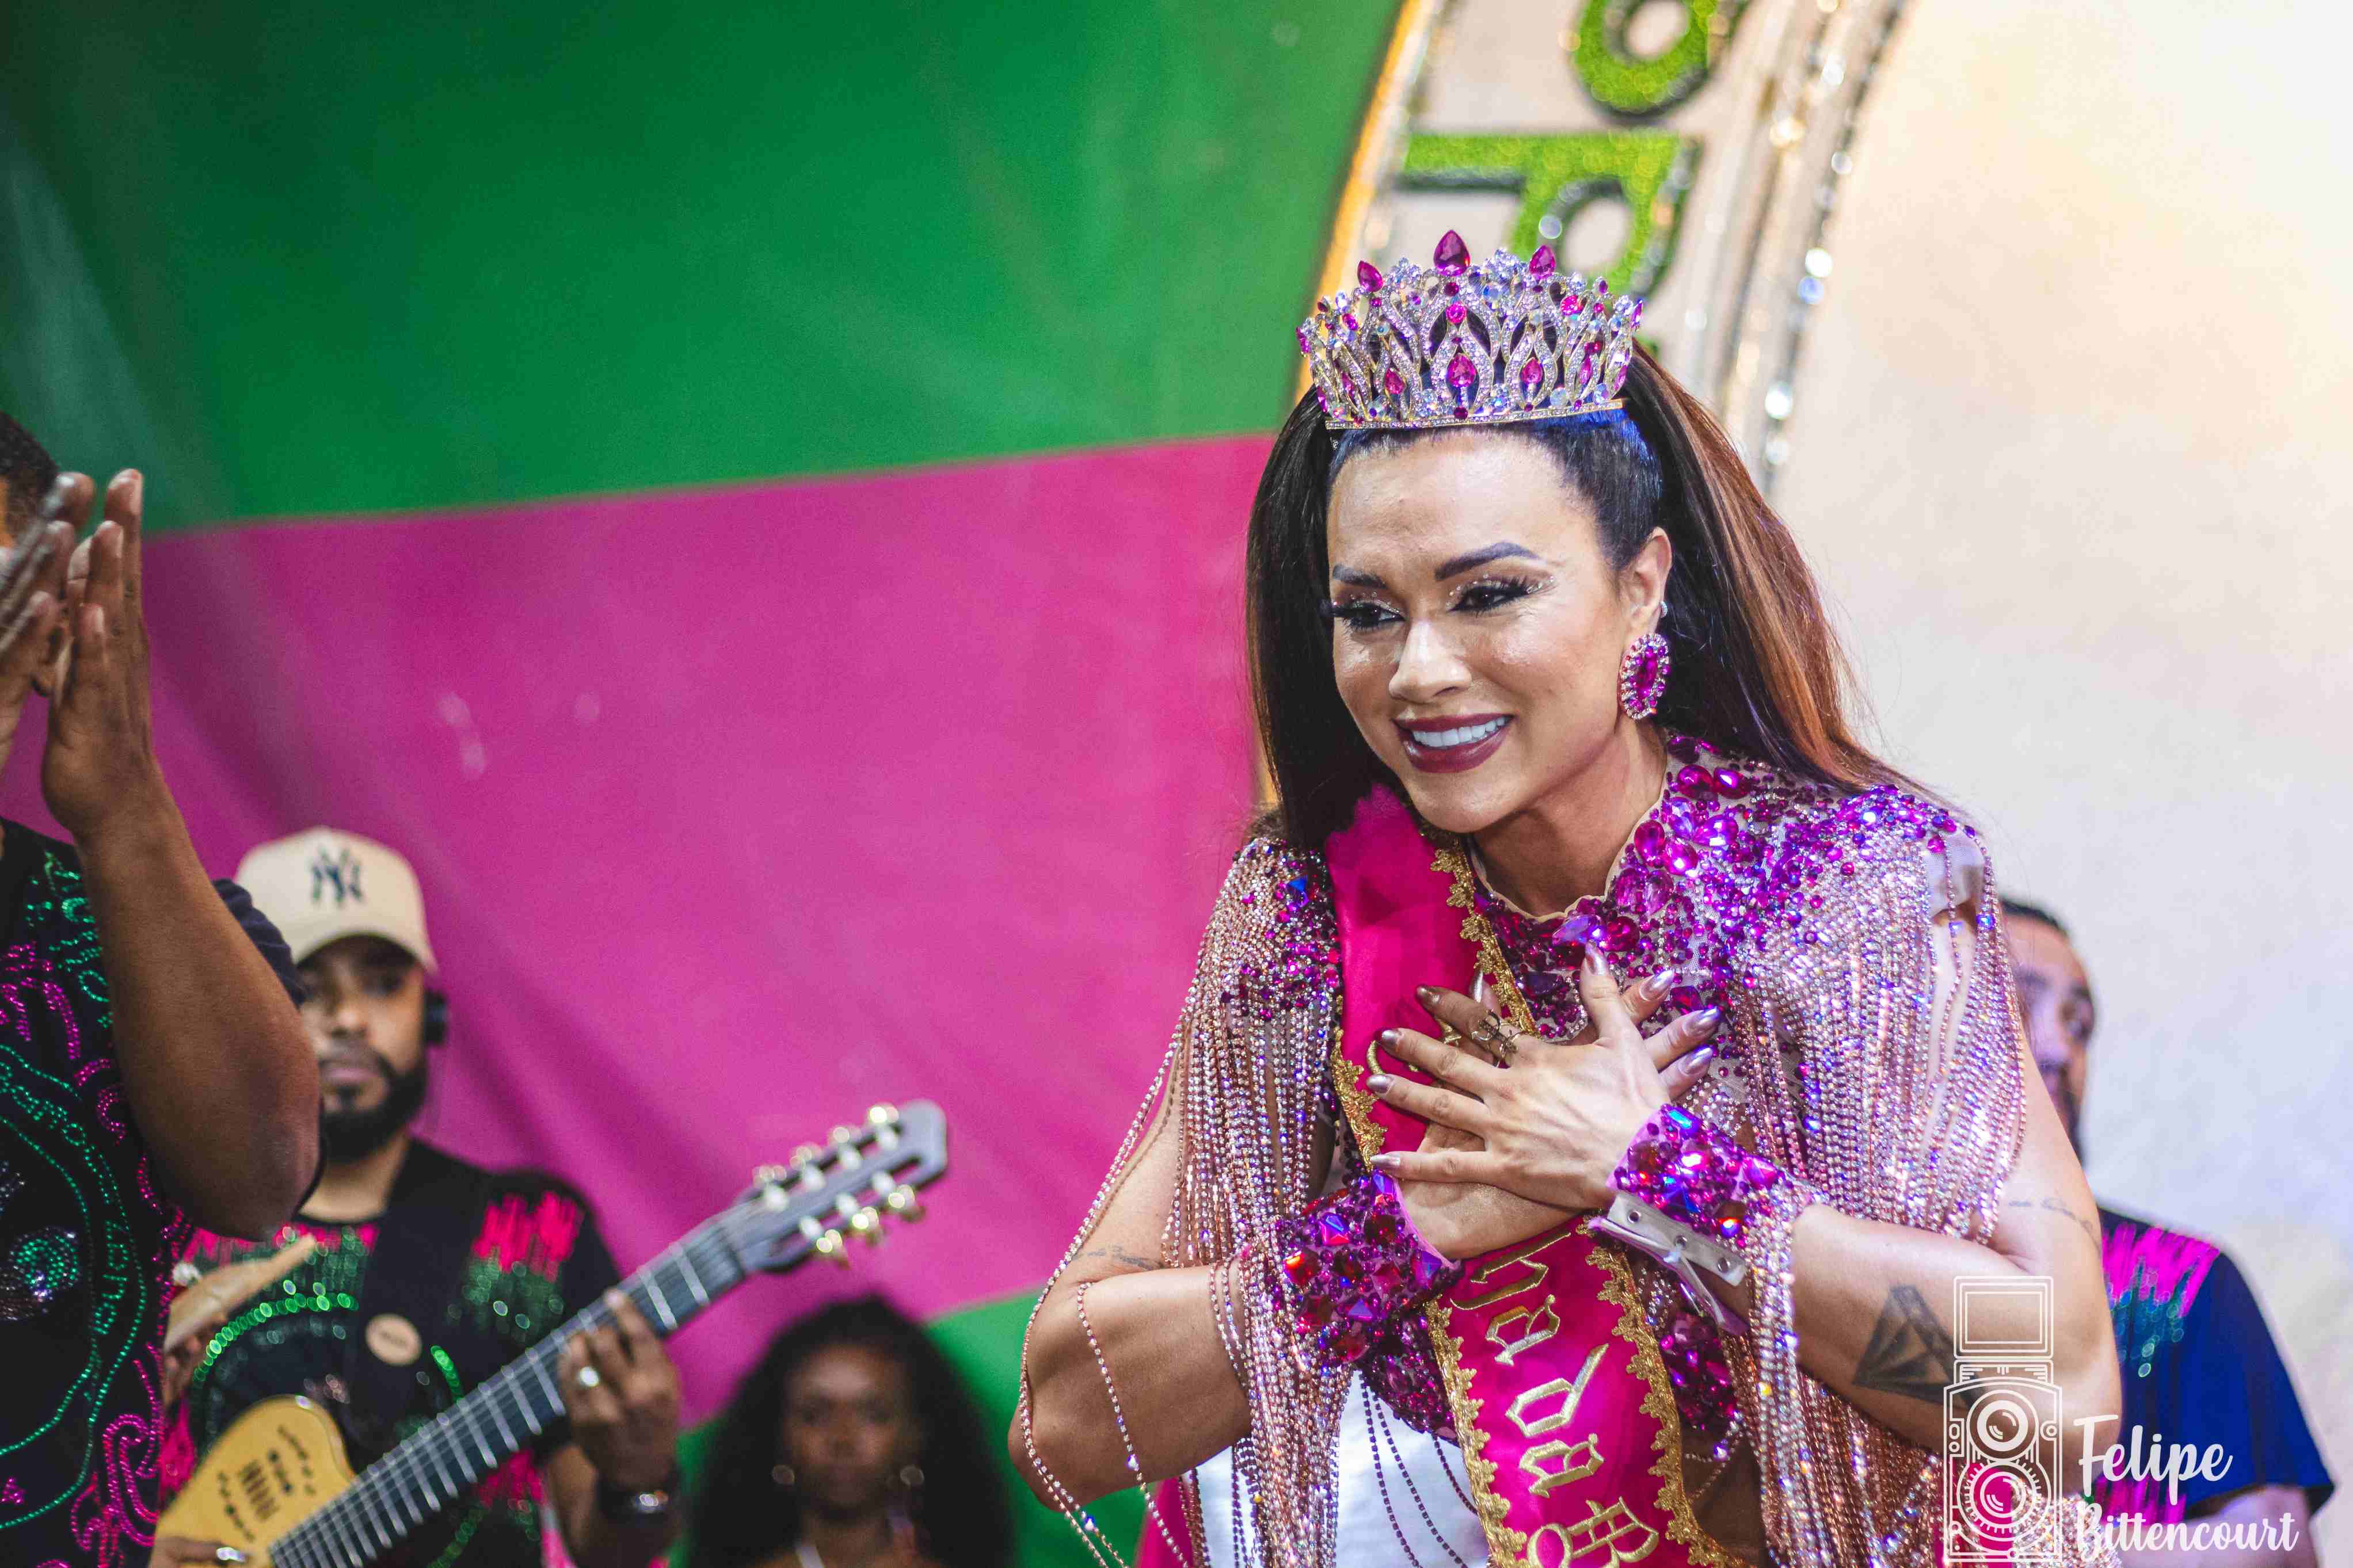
(348,1135)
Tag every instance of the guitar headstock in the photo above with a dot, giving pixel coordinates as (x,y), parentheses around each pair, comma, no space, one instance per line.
(845,1187)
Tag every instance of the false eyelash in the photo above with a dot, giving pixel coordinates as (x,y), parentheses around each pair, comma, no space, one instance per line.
(1327,610)
(1513,589)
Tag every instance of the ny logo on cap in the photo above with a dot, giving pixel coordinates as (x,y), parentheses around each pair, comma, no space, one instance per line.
(338,873)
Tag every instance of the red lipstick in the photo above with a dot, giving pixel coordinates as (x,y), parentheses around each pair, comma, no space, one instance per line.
(1454,743)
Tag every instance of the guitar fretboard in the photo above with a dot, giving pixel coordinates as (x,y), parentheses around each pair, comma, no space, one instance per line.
(441,1461)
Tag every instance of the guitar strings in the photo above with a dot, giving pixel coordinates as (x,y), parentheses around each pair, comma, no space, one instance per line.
(341,1528)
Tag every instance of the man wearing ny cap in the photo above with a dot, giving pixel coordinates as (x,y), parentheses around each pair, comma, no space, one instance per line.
(430,1272)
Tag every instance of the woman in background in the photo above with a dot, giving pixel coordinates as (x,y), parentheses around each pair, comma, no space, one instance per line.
(852,1443)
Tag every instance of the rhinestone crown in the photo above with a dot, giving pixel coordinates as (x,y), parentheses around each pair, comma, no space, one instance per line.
(1427,347)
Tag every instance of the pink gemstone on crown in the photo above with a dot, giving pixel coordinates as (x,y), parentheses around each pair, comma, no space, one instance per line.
(1451,256)
(1541,265)
(1368,275)
(1391,384)
(1531,374)
(1461,373)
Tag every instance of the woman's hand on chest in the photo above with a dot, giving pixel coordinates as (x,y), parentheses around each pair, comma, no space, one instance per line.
(1549,1127)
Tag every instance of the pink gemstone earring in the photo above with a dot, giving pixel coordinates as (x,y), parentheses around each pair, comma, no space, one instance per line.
(1642,675)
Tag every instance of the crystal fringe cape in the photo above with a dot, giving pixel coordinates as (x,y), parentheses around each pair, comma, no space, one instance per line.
(1869,1043)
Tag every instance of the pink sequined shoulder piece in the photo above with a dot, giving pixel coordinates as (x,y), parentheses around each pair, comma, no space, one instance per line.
(1730,846)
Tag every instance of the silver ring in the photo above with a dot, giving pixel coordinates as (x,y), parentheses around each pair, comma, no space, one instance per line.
(1499,1037)
(586,1377)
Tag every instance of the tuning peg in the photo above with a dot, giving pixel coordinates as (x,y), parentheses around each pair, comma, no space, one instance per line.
(868,1223)
(905,1205)
(831,1246)
(881,1115)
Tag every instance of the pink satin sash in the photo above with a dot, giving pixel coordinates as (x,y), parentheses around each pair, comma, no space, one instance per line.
(1560,1400)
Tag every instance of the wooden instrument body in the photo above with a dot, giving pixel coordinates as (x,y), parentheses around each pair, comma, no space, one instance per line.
(277,1465)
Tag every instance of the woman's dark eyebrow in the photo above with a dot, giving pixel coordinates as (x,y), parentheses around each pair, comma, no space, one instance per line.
(1498,552)
(1356,579)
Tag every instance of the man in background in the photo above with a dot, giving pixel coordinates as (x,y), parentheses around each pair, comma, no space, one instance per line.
(153,1071)
(430,1273)
(2199,1366)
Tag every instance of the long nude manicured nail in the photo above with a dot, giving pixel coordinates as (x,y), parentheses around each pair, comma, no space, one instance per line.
(1701,1058)
(1706,1019)
(1660,984)
(1379,1083)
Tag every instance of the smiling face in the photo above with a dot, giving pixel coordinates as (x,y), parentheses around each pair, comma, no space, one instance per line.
(1477,627)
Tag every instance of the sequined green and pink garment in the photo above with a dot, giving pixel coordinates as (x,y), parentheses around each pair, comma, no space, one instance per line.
(87,1234)
(533,1257)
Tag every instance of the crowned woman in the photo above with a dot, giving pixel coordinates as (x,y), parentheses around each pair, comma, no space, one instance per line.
(1599,1052)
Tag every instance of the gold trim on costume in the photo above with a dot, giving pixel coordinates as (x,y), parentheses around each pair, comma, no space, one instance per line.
(1347,1082)
(1682,1524)
(1506,1547)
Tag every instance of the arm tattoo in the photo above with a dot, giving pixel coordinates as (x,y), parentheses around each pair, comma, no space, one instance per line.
(1909,1353)
(1120,1255)
(2051,1204)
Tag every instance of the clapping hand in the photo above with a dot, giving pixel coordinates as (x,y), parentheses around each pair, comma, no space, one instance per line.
(87,648)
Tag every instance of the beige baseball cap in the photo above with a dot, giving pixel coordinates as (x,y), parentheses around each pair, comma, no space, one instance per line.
(323,885)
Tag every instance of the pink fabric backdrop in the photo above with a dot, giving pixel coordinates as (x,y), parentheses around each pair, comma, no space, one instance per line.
(738,810)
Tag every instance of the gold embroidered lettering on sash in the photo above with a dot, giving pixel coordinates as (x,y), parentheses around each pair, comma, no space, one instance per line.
(1577,1460)
(1558,1463)
(1571,1393)
(1520,1256)
(1542,1323)
(1603,1538)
